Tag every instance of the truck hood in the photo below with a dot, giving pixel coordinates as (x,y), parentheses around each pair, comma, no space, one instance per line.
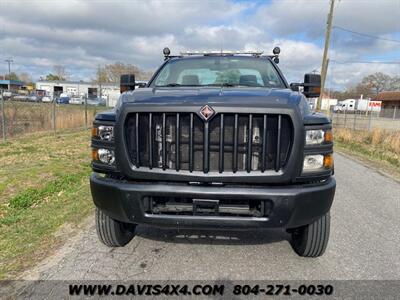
(241,97)
(230,96)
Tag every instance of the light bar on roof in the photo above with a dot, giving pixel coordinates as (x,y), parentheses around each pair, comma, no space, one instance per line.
(188,53)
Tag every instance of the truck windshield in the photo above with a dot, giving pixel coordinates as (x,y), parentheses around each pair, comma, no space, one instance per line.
(219,71)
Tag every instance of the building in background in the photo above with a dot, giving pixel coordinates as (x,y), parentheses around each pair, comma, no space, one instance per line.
(108,91)
(390,104)
(15,84)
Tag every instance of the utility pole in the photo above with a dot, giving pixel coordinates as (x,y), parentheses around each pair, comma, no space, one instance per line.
(324,67)
(9,61)
(3,117)
(99,71)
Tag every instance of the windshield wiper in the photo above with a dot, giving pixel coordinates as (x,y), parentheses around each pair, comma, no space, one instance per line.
(169,84)
(222,84)
(177,84)
(226,84)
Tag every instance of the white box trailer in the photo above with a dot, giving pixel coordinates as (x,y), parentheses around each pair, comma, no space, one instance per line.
(358,105)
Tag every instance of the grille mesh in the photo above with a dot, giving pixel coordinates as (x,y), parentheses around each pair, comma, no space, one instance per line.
(226,143)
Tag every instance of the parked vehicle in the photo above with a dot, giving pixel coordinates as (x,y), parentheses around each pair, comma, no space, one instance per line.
(7,94)
(47,99)
(77,100)
(33,98)
(96,101)
(20,98)
(62,100)
(218,141)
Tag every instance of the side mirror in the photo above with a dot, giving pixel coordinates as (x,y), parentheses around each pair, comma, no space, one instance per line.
(127,83)
(312,85)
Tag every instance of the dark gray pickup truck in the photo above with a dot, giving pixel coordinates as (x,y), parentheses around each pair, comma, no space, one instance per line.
(215,141)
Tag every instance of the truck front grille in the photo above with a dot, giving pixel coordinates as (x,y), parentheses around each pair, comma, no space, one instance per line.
(229,142)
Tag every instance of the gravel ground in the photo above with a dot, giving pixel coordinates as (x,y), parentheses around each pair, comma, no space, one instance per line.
(364,244)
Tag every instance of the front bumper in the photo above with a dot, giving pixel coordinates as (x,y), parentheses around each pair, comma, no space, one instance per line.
(293,205)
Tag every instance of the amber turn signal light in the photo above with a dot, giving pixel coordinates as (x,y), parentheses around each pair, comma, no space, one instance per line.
(328,137)
(328,161)
(95,154)
(94,131)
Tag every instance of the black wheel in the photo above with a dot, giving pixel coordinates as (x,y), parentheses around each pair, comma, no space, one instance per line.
(311,240)
(113,233)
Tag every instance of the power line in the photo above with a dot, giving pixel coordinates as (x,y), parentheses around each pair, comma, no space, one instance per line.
(366,35)
(365,62)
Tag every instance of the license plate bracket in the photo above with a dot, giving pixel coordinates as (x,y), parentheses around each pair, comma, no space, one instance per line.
(205,206)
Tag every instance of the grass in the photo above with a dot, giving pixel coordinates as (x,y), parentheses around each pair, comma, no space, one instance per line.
(43,186)
(25,117)
(377,145)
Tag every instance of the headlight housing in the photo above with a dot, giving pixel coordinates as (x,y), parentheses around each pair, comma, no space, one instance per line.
(318,136)
(103,132)
(106,156)
(317,162)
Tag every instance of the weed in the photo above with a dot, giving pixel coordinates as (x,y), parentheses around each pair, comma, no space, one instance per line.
(377,144)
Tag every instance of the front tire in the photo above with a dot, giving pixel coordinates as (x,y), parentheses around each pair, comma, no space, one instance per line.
(311,240)
(113,233)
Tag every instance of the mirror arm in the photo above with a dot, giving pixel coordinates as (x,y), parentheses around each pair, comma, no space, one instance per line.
(295,86)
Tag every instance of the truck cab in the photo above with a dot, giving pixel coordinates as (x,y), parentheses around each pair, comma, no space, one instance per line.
(215,141)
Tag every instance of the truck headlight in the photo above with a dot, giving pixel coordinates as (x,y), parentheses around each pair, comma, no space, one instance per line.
(318,136)
(103,132)
(317,162)
(105,156)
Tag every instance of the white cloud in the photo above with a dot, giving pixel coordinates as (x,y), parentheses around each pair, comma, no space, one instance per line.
(291,17)
(221,37)
(130,17)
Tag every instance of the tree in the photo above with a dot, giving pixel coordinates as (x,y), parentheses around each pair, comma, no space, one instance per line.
(25,77)
(378,82)
(52,77)
(60,72)
(369,87)
(395,83)
(111,73)
(101,76)
(13,76)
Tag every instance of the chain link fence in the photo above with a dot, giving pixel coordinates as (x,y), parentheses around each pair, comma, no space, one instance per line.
(19,118)
(386,118)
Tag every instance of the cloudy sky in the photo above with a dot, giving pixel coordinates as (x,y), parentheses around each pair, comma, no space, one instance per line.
(84,34)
